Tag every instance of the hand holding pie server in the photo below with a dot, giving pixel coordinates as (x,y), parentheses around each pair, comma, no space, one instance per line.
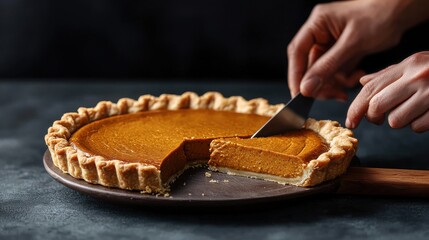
(324,55)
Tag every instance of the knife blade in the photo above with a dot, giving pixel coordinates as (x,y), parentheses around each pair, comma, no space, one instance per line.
(291,116)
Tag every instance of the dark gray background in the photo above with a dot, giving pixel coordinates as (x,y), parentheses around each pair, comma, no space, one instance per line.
(160,39)
(34,206)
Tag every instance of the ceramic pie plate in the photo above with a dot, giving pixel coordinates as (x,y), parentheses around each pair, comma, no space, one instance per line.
(195,187)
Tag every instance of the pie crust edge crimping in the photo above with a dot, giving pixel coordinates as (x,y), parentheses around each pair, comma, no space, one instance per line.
(146,178)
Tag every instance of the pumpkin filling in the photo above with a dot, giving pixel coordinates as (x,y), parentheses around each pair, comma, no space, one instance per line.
(284,155)
(168,140)
(173,140)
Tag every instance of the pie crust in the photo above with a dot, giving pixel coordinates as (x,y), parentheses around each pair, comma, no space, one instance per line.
(146,178)
(330,164)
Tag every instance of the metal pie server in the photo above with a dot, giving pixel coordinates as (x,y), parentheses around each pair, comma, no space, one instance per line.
(290,117)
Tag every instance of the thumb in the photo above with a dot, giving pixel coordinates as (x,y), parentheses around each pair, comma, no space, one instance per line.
(329,64)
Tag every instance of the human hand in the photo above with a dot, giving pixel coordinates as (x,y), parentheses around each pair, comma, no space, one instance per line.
(325,52)
(400,91)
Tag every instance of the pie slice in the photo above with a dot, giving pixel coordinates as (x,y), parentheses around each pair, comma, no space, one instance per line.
(145,144)
(321,151)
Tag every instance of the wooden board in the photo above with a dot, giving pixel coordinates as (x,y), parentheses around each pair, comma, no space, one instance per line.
(193,188)
(385,181)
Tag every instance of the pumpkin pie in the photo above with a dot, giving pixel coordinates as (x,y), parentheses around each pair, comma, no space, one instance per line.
(321,151)
(146,144)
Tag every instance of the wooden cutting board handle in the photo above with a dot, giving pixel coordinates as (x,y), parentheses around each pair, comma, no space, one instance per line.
(385,181)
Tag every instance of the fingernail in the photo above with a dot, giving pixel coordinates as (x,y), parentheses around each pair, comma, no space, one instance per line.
(311,85)
(349,124)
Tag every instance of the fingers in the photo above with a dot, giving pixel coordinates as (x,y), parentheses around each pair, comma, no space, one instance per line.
(298,53)
(311,86)
(402,91)
(365,79)
(332,91)
(421,124)
(351,80)
(315,53)
(387,99)
(359,107)
(406,112)
(323,70)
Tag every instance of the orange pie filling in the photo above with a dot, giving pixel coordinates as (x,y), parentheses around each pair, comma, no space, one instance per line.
(280,158)
(145,144)
(169,140)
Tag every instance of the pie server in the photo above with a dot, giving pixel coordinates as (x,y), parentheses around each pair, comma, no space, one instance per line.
(290,117)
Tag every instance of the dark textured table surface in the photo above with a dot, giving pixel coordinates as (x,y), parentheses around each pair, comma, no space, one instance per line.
(34,206)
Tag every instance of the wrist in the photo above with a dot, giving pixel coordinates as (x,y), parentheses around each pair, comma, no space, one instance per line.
(400,14)
(410,13)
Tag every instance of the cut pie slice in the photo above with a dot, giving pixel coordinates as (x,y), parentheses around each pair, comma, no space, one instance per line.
(321,151)
(145,144)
